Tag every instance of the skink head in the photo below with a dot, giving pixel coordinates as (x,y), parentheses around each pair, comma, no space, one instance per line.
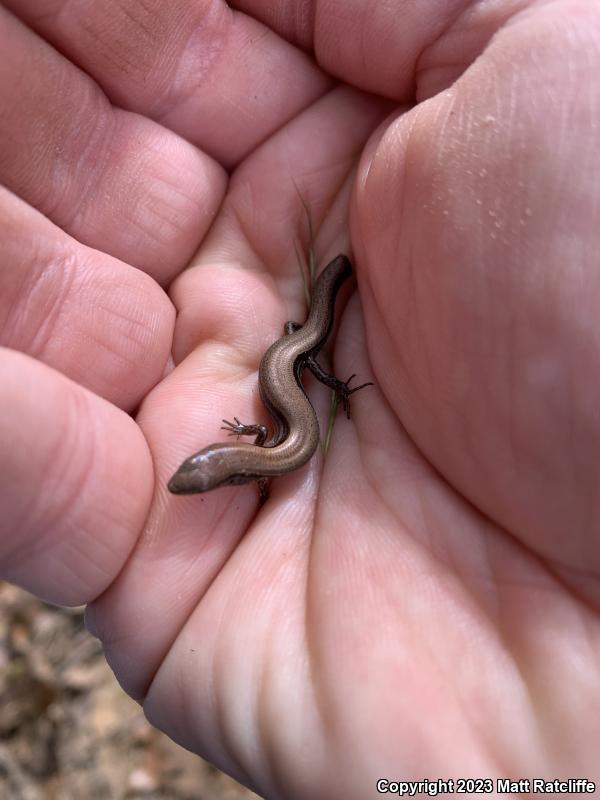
(210,468)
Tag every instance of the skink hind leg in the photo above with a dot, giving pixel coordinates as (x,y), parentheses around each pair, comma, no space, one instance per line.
(238,429)
(341,388)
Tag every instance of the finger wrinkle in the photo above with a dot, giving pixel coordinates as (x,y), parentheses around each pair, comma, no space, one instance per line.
(42,287)
(85,159)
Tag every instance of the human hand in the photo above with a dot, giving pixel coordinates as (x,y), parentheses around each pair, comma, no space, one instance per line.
(423,603)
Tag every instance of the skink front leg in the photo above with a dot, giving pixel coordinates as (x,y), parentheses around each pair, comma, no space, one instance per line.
(238,429)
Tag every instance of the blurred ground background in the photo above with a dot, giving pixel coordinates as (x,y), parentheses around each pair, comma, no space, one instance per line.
(68,731)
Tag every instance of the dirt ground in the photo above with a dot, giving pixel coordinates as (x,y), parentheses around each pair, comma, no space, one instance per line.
(68,731)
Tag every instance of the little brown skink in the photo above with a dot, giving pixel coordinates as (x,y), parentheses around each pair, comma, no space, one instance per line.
(295,433)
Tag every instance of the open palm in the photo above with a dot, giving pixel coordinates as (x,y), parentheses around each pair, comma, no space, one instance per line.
(423,601)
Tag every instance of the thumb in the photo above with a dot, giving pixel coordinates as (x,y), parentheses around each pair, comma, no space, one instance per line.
(76,485)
